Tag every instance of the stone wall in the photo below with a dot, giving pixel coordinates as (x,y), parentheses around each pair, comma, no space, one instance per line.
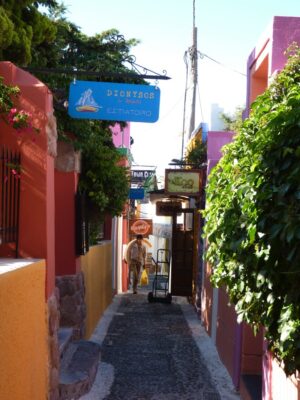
(72,303)
(54,356)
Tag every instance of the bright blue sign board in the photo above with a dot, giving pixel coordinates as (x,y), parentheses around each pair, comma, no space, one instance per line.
(137,194)
(114,101)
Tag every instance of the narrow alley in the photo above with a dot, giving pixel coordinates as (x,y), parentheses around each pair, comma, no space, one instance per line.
(156,351)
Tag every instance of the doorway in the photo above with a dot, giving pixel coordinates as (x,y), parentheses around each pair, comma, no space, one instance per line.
(182,253)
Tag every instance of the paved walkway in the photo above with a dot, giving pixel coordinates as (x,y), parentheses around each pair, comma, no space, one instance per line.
(156,351)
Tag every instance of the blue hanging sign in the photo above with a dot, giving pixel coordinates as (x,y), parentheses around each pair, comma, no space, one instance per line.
(114,101)
(137,194)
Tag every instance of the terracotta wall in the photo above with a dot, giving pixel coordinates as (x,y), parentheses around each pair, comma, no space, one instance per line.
(65,253)
(23,331)
(37,158)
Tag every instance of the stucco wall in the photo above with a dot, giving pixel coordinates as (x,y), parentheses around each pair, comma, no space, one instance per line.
(97,270)
(65,252)
(276,385)
(37,160)
(23,331)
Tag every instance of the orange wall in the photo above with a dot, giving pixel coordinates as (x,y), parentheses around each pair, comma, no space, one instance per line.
(259,77)
(23,331)
(97,270)
(65,189)
(37,181)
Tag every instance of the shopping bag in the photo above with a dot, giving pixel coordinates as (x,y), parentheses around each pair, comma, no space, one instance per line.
(144,278)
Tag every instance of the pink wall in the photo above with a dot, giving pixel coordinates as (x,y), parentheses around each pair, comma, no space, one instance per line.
(278,36)
(37,182)
(215,141)
(121,136)
(226,332)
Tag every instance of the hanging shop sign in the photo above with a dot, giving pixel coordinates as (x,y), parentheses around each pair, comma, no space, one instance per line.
(136,194)
(183,182)
(140,227)
(141,175)
(168,208)
(114,101)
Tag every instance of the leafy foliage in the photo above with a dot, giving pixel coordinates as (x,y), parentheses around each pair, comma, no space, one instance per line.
(104,180)
(51,41)
(7,96)
(22,28)
(233,122)
(253,216)
(197,155)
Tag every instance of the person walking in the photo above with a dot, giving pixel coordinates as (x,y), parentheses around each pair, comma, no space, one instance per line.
(137,259)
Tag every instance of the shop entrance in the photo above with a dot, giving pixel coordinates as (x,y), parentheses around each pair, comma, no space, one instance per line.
(182,253)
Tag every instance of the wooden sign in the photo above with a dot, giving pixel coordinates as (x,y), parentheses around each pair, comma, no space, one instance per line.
(183,182)
(140,227)
(168,208)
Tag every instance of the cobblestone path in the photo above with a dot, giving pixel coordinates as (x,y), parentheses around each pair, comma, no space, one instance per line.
(153,355)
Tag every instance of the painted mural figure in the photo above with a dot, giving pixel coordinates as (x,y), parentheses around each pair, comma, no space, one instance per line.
(137,259)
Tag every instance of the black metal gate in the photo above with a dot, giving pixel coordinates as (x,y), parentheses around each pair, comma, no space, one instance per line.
(10,165)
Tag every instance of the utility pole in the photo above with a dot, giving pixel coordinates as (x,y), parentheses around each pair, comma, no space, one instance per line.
(193,53)
(191,62)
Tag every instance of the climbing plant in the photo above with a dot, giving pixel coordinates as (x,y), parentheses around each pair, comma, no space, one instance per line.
(253,216)
(197,154)
(233,122)
(16,117)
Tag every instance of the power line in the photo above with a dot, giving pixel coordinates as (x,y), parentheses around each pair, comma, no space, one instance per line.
(200,104)
(202,55)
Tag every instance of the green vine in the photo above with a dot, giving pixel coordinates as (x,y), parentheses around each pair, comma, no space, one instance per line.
(197,154)
(253,216)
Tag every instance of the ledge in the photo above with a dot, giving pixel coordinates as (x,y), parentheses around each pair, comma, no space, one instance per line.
(12,264)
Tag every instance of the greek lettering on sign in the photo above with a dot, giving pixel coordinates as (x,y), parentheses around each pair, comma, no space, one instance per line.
(130,94)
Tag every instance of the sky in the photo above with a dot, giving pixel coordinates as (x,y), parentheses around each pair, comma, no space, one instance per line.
(227,32)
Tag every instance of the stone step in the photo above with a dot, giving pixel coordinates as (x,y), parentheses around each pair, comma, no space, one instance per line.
(64,338)
(78,369)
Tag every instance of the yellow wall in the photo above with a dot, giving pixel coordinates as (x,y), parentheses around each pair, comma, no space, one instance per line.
(97,270)
(193,141)
(23,333)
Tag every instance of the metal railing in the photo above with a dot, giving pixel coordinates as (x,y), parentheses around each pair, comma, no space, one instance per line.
(81,224)
(10,165)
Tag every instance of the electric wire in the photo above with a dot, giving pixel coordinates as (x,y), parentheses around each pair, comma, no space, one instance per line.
(202,55)
(200,104)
